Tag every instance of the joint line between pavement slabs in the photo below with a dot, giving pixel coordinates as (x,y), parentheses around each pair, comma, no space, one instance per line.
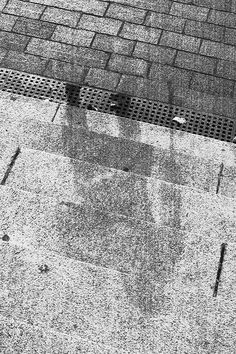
(10,166)
(222,253)
(219,177)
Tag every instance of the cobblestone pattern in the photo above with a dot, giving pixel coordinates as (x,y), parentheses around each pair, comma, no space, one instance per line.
(132,46)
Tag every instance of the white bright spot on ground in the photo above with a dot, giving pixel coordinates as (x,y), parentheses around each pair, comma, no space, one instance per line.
(180,120)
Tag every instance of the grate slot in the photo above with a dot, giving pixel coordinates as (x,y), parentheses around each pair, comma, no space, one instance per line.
(157,113)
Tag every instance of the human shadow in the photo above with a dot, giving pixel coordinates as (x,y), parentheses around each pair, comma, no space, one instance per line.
(145,286)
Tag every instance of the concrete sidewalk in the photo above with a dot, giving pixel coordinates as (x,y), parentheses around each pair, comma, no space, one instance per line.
(111,230)
(99,259)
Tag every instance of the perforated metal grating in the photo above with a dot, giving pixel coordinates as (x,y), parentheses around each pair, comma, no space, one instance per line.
(212,126)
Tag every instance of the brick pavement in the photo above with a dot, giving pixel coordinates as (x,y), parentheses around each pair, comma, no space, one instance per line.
(129,46)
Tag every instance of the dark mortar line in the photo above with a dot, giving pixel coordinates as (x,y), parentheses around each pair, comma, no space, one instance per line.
(105,13)
(120,29)
(216,67)
(57,109)
(10,166)
(223,247)
(200,45)
(160,37)
(184,27)
(192,76)
(208,15)
(42,13)
(219,178)
(145,17)
(174,64)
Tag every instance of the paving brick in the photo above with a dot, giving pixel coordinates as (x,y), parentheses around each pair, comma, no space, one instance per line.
(230,36)
(195,62)
(65,71)
(113,44)
(226,69)
(89,6)
(24,62)
(179,41)
(166,22)
(154,5)
(141,33)
(189,11)
(126,13)
(59,16)
(222,18)
(66,52)
(212,85)
(34,28)
(205,102)
(3,4)
(27,9)
(91,57)
(3,52)
(218,50)
(99,24)
(140,87)
(102,78)
(233,6)
(72,36)
(173,76)
(204,30)
(128,65)
(13,41)
(154,53)
(7,21)
(50,49)
(214,4)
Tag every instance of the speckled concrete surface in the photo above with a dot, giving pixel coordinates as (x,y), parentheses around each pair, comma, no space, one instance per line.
(94,259)
(170,307)
(22,337)
(15,107)
(71,298)
(111,189)
(17,110)
(79,232)
(98,260)
(118,153)
(157,136)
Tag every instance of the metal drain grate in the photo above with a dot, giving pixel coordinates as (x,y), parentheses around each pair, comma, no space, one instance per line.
(212,126)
